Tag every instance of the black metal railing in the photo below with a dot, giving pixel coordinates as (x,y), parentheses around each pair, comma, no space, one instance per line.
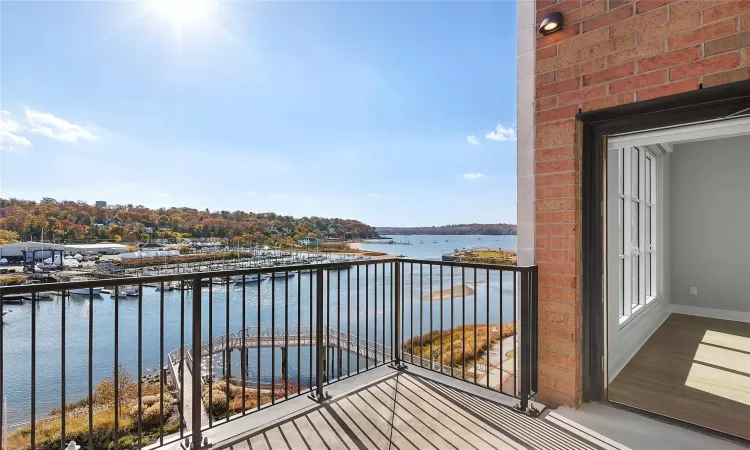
(298,329)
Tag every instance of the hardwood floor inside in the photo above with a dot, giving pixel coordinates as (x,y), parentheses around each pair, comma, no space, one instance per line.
(693,369)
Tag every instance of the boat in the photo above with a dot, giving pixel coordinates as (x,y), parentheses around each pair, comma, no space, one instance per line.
(132,291)
(42,296)
(284,274)
(13,299)
(105,291)
(237,279)
(84,291)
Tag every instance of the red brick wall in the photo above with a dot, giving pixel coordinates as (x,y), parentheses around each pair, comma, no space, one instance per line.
(610,53)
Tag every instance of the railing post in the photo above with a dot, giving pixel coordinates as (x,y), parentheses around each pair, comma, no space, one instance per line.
(320,348)
(196,350)
(397,364)
(526,344)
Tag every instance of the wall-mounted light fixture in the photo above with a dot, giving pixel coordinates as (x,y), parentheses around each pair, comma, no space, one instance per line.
(552,22)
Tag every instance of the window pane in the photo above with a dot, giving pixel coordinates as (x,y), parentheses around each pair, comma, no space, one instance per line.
(648,257)
(622,286)
(621,169)
(648,179)
(648,229)
(635,292)
(634,236)
(634,170)
(622,226)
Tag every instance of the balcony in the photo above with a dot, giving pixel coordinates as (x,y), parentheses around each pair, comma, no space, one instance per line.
(365,354)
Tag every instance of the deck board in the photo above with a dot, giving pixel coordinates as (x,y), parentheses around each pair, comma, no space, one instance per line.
(694,369)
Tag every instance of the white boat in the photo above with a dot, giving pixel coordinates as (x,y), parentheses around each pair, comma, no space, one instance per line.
(84,291)
(278,275)
(131,291)
(237,279)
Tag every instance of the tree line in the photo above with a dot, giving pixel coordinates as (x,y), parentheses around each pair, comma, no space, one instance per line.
(469,228)
(69,221)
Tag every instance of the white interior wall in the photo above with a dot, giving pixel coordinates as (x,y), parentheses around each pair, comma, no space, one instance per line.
(710,228)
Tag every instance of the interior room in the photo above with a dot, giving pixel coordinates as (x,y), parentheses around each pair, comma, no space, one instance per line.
(678,273)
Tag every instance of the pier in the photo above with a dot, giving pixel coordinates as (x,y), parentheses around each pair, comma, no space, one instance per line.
(265,337)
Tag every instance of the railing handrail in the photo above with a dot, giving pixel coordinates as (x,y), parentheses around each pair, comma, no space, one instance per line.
(125,281)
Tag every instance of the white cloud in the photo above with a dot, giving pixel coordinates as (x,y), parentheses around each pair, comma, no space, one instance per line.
(165,195)
(472,140)
(9,129)
(501,133)
(252,194)
(373,195)
(56,128)
(473,176)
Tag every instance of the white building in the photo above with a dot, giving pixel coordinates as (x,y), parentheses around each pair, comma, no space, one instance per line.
(14,251)
(102,248)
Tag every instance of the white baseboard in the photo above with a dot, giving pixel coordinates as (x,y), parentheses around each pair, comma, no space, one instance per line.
(725,314)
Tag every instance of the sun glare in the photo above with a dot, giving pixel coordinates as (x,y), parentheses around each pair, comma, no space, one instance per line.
(181,13)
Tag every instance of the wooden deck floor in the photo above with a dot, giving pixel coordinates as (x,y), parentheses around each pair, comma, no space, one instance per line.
(406,411)
(693,369)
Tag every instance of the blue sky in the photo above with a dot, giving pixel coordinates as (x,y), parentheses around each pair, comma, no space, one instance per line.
(393,113)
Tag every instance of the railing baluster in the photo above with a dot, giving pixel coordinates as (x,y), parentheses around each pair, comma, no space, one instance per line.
(243,358)
(358,314)
(348,322)
(285,358)
(2,372)
(421,319)
(319,335)
(227,352)
(33,370)
(182,366)
(476,323)
(396,342)
(367,317)
(375,317)
(453,280)
(411,311)
(299,331)
(515,345)
(273,337)
(383,341)
(487,325)
(432,338)
(463,323)
(91,368)
(117,367)
(441,317)
(338,325)
(258,349)
(140,364)
(502,389)
(62,373)
(310,343)
(161,364)
(197,363)
(210,351)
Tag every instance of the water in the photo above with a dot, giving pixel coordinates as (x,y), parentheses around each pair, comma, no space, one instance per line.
(433,246)
(418,316)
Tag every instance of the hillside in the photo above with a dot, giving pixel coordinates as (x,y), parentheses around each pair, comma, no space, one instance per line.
(469,228)
(68,221)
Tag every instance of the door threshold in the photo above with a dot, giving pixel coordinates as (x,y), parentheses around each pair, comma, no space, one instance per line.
(681,423)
